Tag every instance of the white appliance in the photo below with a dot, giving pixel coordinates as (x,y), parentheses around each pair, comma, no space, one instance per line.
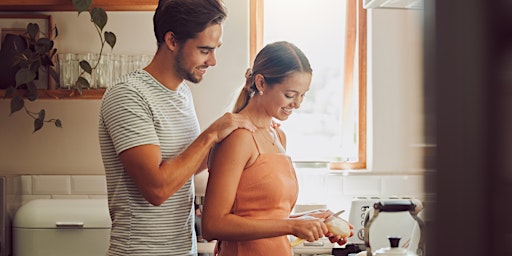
(393,4)
(393,207)
(62,227)
(388,224)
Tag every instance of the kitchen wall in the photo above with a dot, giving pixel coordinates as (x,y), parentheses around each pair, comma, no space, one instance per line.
(395,117)
(74,149)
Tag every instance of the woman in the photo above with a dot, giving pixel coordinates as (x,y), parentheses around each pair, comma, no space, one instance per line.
(252,187)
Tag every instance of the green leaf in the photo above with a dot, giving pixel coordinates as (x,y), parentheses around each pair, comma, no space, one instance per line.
(86,66)
(43,45)
(110,38)
(82,83)
(58,123)
(32,91)
(82,5)
(17,103)
(39,121)
(99,17)
(34,67)
(41,114)
(33,30)
(24,58)
(53,53)
(24,76)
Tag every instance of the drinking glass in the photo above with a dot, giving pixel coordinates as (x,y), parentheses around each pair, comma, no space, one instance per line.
(103,73)
(68,68)
(122,64)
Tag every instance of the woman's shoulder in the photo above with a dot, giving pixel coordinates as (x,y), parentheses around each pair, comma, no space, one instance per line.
(241,132)
(239,144)
(239,137)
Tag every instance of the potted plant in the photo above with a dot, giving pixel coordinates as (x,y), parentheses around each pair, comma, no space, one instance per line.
(39,55)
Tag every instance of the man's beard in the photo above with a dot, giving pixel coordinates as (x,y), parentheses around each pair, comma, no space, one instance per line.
(181,70)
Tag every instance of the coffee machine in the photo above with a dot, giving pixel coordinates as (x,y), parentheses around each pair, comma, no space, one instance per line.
(362,208)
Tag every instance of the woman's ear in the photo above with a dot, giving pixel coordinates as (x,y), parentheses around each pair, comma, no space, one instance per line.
(259,81)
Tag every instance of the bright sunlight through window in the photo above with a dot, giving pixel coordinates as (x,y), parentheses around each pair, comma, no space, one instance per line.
(315,132)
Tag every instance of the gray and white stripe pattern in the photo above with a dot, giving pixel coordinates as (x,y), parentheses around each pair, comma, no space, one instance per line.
(139,110)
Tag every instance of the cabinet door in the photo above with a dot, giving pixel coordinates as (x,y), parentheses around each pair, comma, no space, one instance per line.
(66,5)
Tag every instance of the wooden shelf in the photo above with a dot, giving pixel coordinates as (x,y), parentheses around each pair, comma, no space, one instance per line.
(65,94)
(66,5)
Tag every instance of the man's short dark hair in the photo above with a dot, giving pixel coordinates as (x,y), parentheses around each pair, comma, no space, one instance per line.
(186,18)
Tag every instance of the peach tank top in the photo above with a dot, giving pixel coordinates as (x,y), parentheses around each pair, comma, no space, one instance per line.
(268,189)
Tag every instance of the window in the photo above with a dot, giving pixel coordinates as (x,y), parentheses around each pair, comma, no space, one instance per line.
(330,126)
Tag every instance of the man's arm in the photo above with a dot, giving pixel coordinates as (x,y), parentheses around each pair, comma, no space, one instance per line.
(158,178)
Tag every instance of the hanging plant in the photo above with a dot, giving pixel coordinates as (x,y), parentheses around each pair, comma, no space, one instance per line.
(99,18)
(34,56)
(39,56)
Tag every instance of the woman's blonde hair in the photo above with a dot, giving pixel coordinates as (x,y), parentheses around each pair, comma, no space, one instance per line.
(274,62)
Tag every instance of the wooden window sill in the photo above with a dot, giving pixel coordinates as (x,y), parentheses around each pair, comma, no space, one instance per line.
(65,94)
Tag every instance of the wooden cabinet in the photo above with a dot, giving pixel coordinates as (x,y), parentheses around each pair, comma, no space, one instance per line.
(66,5)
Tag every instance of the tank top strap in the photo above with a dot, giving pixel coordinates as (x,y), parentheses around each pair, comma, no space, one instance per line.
(278,135)
(256,143)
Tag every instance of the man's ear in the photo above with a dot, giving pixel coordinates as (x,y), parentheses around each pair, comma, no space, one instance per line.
(170,41)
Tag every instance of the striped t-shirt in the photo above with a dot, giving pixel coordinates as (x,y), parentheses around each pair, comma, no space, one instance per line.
(137,111)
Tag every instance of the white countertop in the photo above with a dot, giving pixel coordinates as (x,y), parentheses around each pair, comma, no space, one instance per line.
(322,246)
(206,247)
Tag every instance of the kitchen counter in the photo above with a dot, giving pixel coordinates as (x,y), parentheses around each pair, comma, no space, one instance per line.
(205,247)
(322,246)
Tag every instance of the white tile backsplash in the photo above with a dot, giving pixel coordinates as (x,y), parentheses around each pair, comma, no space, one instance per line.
(312,186)
(362,185)
(337,189)
(402,185)
(334,189)
(26,185)
(62,186)
(88,185)
(336,199)
(334,184)
(51,185)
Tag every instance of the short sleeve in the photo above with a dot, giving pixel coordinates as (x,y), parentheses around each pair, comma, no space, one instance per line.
(127,118)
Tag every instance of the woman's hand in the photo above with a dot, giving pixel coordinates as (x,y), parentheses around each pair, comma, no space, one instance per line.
(227,123)
(338,239)
(309,228)
(324,214)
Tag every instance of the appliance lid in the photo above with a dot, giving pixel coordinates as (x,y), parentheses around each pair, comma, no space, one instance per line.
(63,213)
(393,4)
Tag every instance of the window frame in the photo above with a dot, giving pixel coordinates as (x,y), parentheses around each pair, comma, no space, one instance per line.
(356,31)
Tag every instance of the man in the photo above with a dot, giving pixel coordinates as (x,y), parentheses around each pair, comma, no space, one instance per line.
(149,134)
